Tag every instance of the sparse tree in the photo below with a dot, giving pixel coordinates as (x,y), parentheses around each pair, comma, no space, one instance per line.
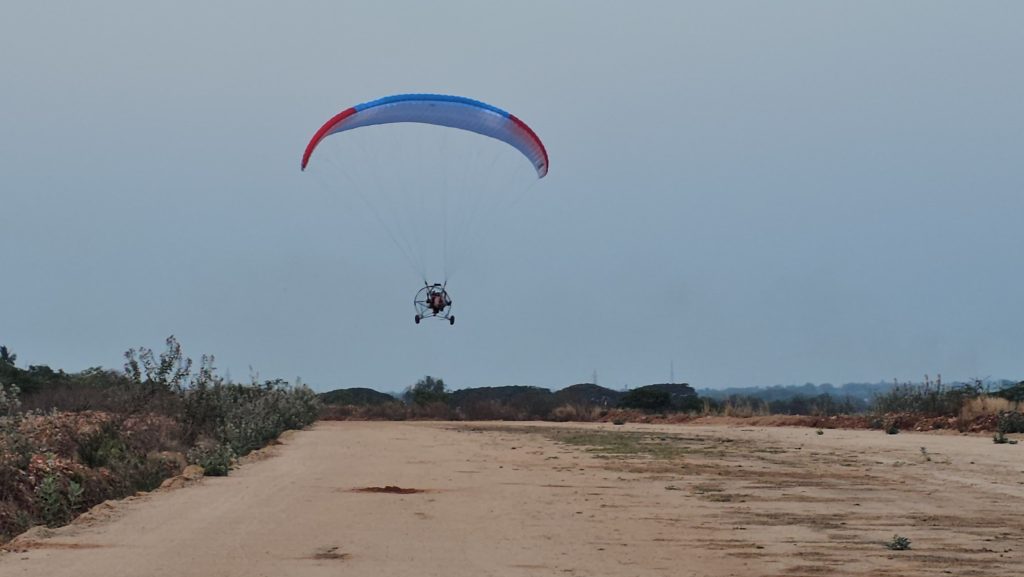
(426,391)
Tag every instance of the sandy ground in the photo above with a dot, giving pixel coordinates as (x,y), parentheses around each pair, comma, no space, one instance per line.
(554,499)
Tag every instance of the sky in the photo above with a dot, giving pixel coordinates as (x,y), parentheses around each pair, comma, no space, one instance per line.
(752,193)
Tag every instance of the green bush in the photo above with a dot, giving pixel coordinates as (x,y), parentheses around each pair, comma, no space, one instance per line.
(52,502)
(103,448)
(929,399)
(898,543)
(244,417)
(1010,422)
(214,459)
(427,391)
(1000,438)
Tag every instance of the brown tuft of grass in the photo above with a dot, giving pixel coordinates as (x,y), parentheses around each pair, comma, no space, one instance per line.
(985,405)
(574,412)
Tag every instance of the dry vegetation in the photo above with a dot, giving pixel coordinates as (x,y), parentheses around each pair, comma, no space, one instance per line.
(155,419)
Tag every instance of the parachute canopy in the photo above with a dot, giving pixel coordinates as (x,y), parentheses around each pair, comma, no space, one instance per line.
(440,110)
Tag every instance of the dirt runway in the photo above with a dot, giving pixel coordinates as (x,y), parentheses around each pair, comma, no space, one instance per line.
(476,499)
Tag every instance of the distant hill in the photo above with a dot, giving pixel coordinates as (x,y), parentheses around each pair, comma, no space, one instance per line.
(860,391)
(510,394)
(355,396)
(681,395)
(536,399)
(587,394)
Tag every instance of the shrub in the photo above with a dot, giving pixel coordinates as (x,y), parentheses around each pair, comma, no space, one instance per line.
(898,543)
(215,459)
(10,400)
(930,398)
(244,417)
(1010,422)
(103,447)
(51,501)
(1000,438)
(55,464)
(426,391)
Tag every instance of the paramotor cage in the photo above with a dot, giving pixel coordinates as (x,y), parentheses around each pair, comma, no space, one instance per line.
(432,301)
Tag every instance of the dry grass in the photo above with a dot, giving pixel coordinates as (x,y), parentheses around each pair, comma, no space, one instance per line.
(986,405)
(574,412)
(745,409)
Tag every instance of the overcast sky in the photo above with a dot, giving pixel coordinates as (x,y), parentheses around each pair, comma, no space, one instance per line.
(757,192)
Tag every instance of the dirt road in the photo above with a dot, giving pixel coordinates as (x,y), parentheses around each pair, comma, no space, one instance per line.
(545,499)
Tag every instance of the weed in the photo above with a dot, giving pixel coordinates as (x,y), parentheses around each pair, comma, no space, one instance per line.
(1008,422)
(898,543)
(75,492)
(1000,438)
(51,503)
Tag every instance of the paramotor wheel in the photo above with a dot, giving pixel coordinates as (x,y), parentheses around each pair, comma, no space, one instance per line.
(417,319)
(451,320)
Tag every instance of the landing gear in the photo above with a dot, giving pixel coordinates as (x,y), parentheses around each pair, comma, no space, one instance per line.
(433,301)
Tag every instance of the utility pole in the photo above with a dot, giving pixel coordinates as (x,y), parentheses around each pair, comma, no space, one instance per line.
(672,371)
(595,376)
